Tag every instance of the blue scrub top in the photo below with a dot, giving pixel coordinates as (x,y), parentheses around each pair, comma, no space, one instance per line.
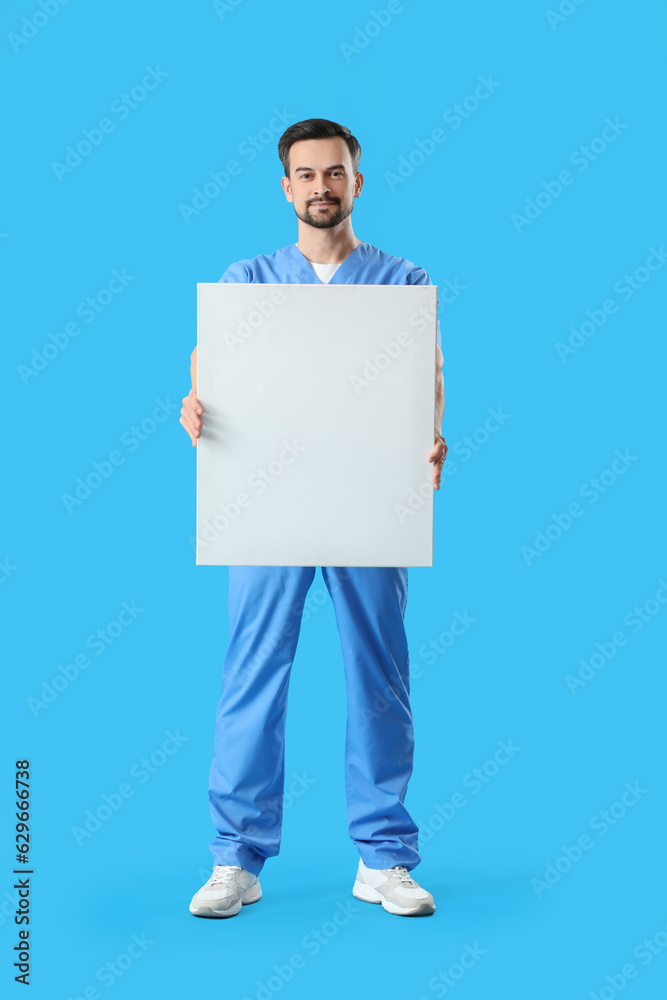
(366,265)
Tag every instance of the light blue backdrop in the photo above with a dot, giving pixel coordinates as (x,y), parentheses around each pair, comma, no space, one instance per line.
(540,205)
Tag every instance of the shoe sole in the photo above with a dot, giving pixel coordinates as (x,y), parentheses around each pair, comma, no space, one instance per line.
(370,895)
(251,895)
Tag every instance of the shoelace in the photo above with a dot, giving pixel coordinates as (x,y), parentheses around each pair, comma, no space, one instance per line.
(225,873)
(401,873)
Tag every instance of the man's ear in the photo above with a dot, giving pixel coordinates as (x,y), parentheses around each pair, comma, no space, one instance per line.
(287,187)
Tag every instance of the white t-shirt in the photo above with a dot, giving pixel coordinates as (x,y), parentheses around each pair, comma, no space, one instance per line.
(324,272)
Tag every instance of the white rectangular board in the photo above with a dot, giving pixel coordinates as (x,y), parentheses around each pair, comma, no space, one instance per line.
(319,416)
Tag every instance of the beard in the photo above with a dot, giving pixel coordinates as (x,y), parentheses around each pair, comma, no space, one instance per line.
(322,221)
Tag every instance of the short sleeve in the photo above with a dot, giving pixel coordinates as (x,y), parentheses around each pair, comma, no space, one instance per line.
(235,274)
(418,276)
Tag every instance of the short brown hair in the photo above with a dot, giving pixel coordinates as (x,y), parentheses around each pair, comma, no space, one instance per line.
(317,128)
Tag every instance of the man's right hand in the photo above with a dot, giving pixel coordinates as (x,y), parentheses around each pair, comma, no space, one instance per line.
(191,412)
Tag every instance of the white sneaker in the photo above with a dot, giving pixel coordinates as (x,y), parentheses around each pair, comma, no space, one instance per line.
(228,888)
(395,889)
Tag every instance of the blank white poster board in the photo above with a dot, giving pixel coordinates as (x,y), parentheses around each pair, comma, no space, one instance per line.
(319,416)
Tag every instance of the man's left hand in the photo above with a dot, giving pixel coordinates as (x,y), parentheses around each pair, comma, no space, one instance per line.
(438,456)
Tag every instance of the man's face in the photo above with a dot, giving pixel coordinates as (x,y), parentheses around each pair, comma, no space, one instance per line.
(322,184)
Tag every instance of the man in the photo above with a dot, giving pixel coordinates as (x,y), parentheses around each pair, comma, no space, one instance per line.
(322,179)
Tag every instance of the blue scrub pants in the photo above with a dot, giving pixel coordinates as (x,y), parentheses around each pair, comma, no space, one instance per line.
(246,782)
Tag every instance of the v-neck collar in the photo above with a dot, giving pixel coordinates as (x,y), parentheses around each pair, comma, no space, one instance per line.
(344,274)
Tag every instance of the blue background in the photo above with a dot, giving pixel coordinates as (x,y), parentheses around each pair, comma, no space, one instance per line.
(66,574)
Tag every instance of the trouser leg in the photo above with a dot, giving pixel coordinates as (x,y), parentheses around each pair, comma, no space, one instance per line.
(370,603)
(246,781)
